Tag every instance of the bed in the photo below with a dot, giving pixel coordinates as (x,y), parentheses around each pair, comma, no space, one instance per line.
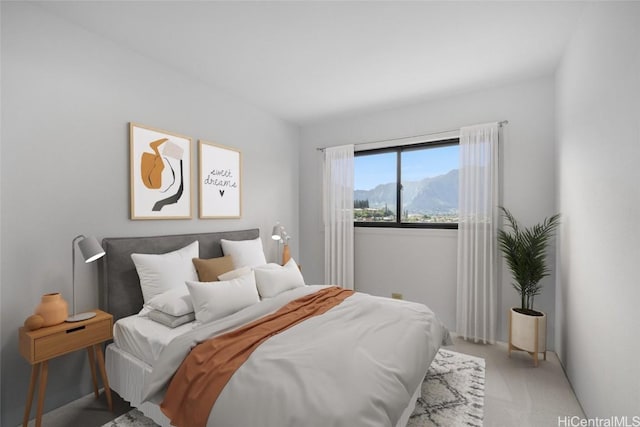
(361,363)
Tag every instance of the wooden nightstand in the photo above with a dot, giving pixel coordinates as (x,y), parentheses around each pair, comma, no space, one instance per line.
(41,345)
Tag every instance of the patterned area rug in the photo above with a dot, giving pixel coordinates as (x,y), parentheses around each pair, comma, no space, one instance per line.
(452,395)
(452,392)
(133,418)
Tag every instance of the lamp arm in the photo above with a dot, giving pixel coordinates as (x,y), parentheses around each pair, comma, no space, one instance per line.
(73,270)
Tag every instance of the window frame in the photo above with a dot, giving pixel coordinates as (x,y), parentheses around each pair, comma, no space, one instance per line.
(399,149)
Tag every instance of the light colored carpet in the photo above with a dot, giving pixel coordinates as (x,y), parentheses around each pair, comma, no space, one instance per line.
(452,395)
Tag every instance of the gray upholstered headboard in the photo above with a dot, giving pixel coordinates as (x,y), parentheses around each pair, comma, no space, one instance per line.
(119,280)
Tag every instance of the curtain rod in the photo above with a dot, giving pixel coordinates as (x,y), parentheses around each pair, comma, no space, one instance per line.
(500,123)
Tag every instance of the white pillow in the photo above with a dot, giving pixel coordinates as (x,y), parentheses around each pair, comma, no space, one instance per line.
(234,274)
(244,253)
(272,281)
(215,300)
(160,273)
(270,266)
(176,302)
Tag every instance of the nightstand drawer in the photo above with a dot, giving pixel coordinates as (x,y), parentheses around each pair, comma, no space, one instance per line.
(72,339)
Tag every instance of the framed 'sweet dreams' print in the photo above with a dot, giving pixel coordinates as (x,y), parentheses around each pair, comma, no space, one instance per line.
(160,174)
(220,181)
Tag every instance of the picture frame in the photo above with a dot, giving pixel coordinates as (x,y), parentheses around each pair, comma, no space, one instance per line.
(160,174)
(220,181)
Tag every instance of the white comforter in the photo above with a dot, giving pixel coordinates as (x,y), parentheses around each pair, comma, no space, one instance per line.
(356,365)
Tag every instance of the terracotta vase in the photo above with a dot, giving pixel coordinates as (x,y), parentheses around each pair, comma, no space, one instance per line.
(53,309)
(286,254)
(34,322)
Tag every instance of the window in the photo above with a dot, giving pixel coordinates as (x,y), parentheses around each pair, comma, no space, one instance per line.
(375,195)
(407,186)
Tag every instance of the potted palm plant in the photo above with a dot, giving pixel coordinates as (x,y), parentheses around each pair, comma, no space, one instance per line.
(525,251)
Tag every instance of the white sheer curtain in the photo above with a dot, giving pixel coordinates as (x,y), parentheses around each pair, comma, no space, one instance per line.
(338,216)
(476,308)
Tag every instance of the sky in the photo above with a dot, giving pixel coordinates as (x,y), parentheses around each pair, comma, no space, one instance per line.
(375,169)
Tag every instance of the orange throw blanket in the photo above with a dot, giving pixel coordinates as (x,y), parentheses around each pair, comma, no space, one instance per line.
(206,370)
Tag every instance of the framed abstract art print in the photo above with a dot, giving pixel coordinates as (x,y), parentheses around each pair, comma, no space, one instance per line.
(160,174)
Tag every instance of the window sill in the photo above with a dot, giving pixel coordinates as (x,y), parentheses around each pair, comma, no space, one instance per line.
(411,232)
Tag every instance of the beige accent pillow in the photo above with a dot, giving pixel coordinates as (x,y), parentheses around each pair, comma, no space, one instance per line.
(234,274)
(209,269)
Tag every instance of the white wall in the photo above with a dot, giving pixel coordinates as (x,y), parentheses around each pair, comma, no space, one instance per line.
(67,98)
(598,134)
(422,263)
(415,263)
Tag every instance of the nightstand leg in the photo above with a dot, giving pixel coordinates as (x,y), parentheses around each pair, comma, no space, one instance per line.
(35,370)
(103,372)
(43,387)
(92,363)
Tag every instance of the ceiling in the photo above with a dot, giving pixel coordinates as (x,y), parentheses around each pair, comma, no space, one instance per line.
(306,61)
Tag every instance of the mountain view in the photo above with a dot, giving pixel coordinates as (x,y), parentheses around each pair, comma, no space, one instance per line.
(436,195)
